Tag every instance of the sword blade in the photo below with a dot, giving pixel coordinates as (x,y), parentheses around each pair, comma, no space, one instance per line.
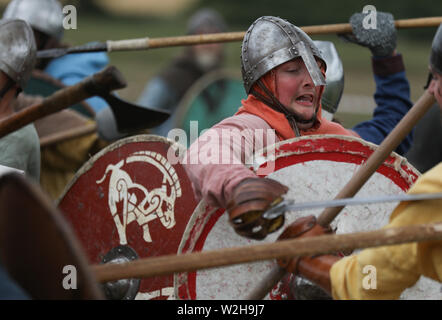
(290,205)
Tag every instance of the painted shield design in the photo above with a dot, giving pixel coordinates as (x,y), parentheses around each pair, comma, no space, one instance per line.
(314,168)
(130,202)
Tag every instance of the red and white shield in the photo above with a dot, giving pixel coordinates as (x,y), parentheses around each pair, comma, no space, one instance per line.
(130,202)
(314,168)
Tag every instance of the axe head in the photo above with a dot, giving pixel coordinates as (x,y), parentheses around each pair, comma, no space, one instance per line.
(130,117)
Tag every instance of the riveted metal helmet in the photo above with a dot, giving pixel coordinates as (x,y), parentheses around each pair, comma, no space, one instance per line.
(272,41)
(44,15)
(436,51)
(17,50)
(206,20)
(334,78)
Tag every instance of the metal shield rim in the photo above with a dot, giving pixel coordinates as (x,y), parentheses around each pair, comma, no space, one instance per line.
(263,157)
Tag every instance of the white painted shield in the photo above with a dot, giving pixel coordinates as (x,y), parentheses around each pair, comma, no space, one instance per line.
(315,168)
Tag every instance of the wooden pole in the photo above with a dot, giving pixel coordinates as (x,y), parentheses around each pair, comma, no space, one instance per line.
(164,42)
(152,43)
(67,135)
(168,264)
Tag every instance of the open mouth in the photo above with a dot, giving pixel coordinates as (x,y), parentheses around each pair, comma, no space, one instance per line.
(305,99)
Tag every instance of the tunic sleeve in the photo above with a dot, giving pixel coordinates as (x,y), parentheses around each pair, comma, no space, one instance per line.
(400,266)
(217,161)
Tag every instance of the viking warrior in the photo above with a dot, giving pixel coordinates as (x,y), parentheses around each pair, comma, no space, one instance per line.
(398,267)
(46,20)
(426,151)
(165,90)
(20,149)
(284,77)
(59,162)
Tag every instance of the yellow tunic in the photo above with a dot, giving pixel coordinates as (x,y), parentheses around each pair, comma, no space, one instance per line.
(397,267)
(61,161)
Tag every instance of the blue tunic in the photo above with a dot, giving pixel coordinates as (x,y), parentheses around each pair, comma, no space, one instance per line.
(392,98)
(73,68)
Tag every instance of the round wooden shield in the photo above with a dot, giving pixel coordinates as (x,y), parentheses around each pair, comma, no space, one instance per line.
(127,202)
(37,246)
(314,168)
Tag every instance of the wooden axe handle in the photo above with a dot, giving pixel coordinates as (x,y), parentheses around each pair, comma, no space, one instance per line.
(106,80)
(168,264)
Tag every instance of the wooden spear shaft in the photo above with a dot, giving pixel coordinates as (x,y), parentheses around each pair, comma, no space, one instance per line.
(361,176)
(168,264)
(67,135)
(151,43)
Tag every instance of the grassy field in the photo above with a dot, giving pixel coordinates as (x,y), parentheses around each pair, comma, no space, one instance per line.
(139,66)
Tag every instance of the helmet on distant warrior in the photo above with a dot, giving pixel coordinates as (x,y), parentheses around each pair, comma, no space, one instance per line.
(17,50)
(436,51)
(334,78)
(45,16)
(206,21)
